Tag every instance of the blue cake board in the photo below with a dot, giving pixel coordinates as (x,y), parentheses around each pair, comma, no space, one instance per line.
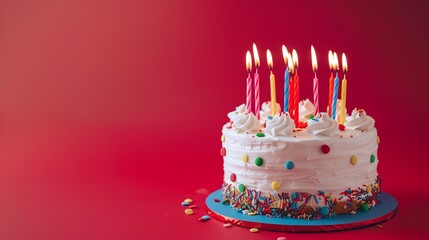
(382,212)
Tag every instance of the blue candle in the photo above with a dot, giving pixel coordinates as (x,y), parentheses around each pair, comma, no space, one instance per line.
(335,95)
(286,92)
(336,85)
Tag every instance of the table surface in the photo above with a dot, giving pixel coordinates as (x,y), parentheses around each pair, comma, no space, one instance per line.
(111,111)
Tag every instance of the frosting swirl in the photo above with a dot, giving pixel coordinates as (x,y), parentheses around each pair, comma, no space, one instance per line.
(238,110)
(280,125)
(359,120)
(322,125)
(266,110)
(306,109)
(245,123)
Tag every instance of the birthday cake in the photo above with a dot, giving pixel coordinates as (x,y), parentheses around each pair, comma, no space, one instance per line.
(301,164)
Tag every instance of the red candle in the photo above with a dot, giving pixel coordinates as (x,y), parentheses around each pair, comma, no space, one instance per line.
(249,83)
(291,106)
(331,81)
(296,87)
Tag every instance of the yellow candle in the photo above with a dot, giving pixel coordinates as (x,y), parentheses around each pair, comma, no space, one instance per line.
(272,83)
(343,91)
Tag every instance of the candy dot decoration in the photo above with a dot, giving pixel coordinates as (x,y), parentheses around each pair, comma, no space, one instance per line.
(353,160)
(259,161)
(275,185)
(341,127)
(259,134)
(289,165)
(232,177)
(241,187)
(364,207)
(369,188)
(245,158)
(372,158)
(324,211)
(325,149)
(222,138)
(223,151)
(378,139)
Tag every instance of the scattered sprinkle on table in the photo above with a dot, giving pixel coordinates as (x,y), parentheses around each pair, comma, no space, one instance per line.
(380,226)
(189,211)
(254,230)
(227,225)
(192,206)
(188,200)
(204,218)
(281,238)
(185,204)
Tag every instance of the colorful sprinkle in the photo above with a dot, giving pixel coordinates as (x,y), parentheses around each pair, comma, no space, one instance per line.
(185,204)
(232,177)
(281,238)
(364,207)
(324,211)
(369,188)
(188,200)
(222,138)
(259,161)
(216,200)
(353,160)
(193,206)
(325,149)
(226,201)
(204,218)
(259,134)
(254,230)
(372,159)
(289,165)
(227,225)
(189,211)
(223,151)
(275,185)
(245,158)
(241,187)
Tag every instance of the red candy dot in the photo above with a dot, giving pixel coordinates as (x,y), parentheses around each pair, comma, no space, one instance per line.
(223,151)
(232,177)
(325,149)
(341,127)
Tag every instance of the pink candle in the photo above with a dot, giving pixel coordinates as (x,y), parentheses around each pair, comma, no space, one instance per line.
(315,82)
(249,83)
(256,77)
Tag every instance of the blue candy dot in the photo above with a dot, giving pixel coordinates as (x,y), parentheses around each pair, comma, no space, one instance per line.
(289,165)
(270,117)
(324,211)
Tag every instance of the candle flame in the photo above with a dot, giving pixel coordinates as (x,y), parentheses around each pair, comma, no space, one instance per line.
(295,58)
(248,61)
(331,60)
(285,53)
(313,58)
(256,56)
(344,63)
(269,59)
(336,64)
(289,62)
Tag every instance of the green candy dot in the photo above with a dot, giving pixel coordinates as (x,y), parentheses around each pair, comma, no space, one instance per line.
(241,187)
(311,116)
(259,134)
(372,159)
(364,207)
(259,161)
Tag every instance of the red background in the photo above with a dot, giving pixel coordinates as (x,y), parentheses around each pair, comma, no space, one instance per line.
(111,112)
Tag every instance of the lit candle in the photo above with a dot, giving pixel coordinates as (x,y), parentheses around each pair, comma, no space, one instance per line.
(296,86)
(249,83)
(287,74)
(343,90)
(256,77)
(331,81)
(291,85)
(272,83)
(336,85)
(315,81)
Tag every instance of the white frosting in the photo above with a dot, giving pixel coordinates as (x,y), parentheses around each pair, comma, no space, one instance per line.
(280,125)
(360,121)
(266,110)
(323,125)
(245,123)
(238,110)
(306,110)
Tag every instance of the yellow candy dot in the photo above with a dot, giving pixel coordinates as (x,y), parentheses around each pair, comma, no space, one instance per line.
(245,158)
(275,185)
(222,138)
(378,139)
(188,200)
(353,160)
(369,188)
(189,211)
(254,230)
